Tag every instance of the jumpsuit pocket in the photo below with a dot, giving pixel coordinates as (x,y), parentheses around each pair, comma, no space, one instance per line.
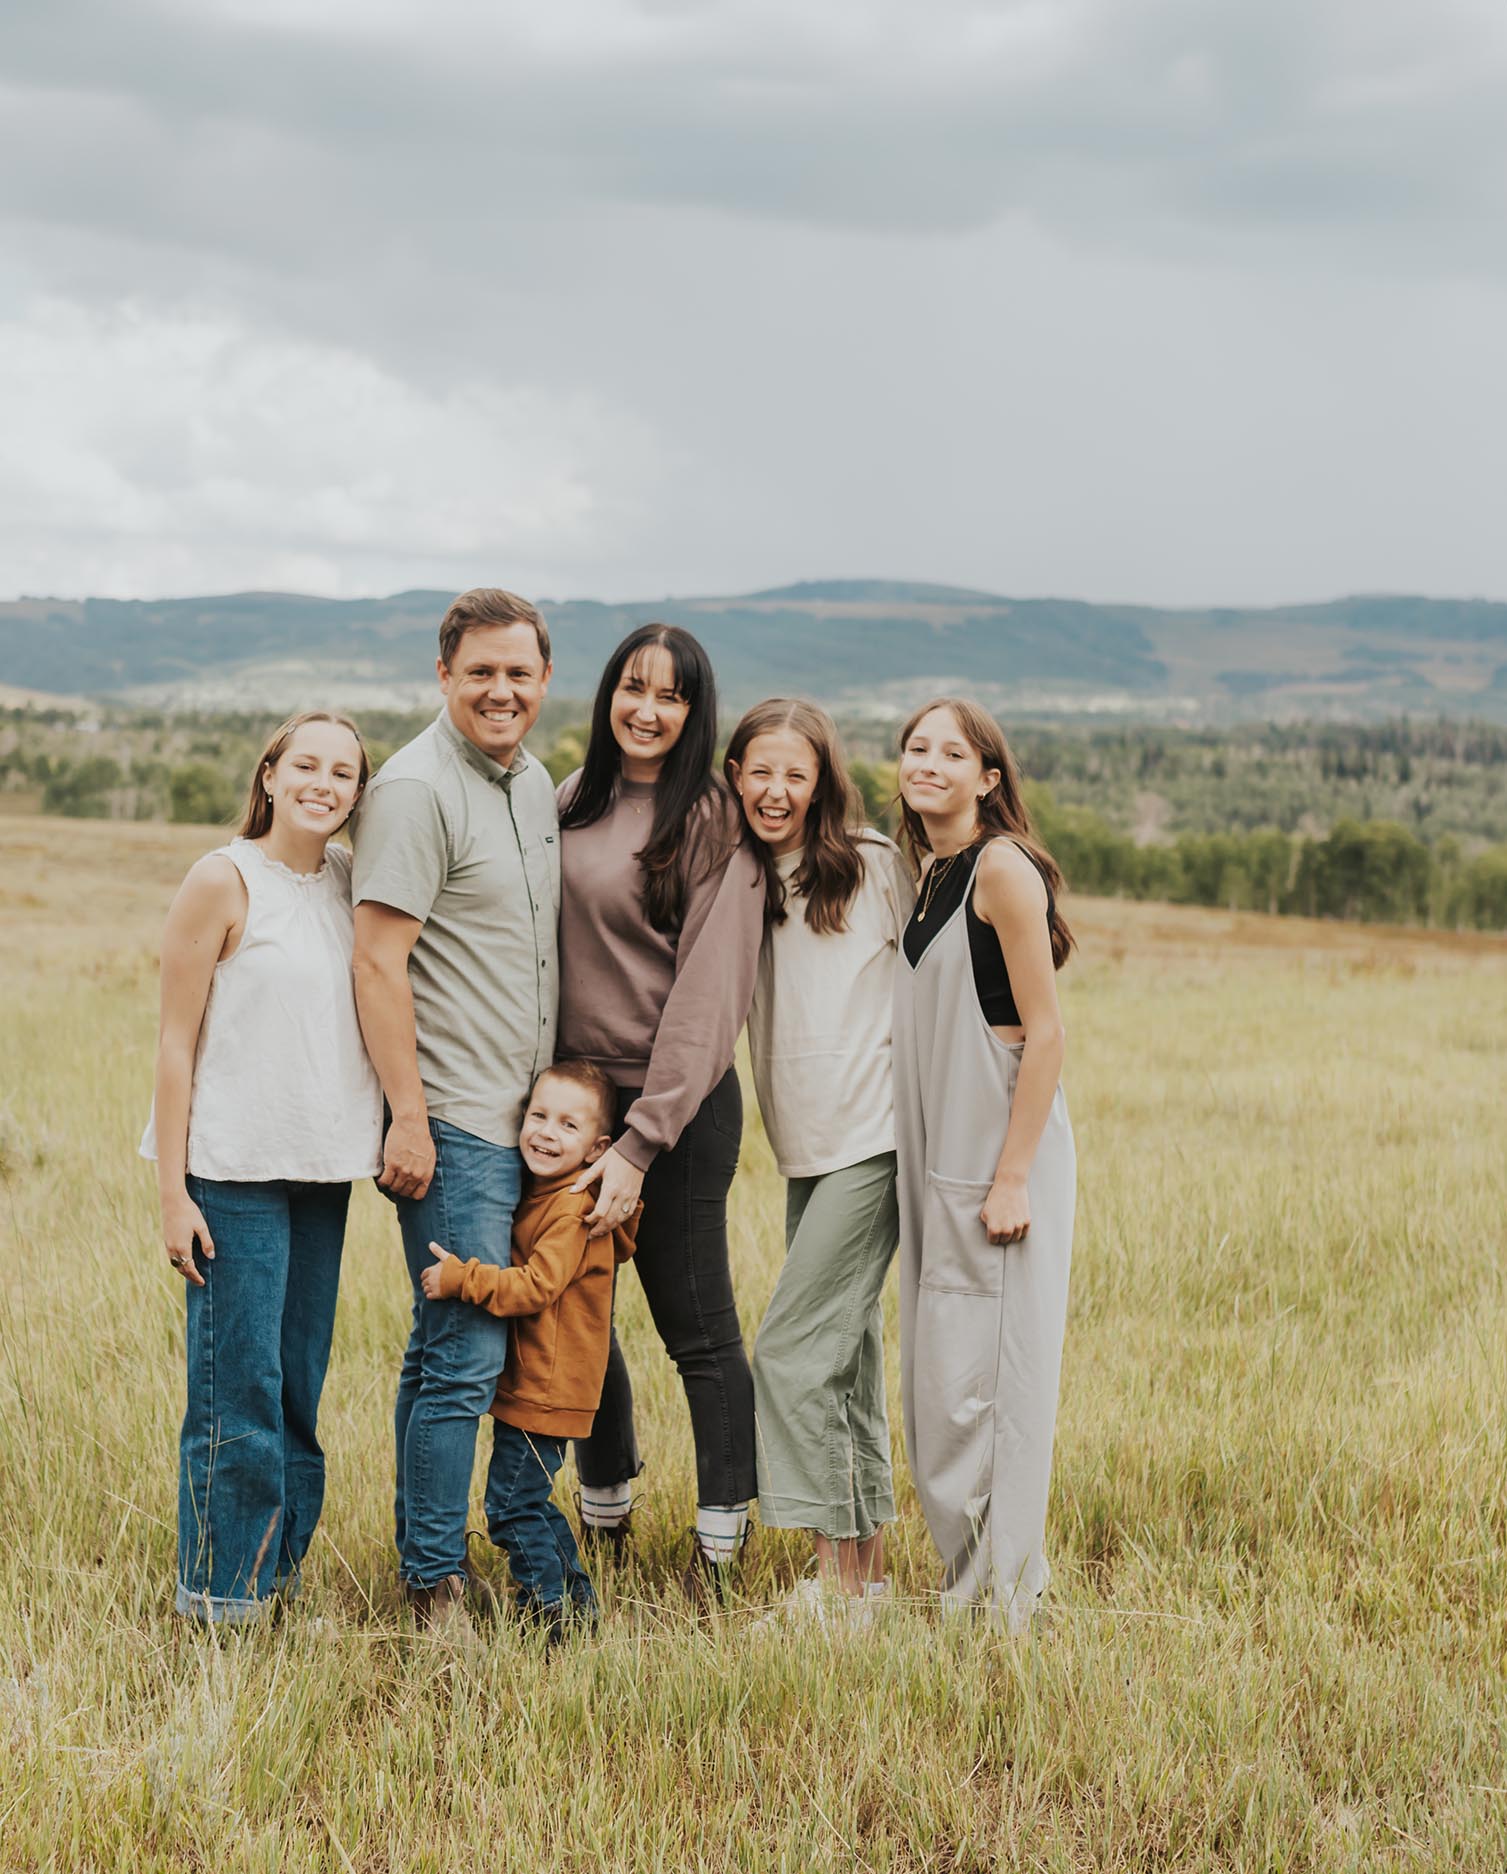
(957,1257)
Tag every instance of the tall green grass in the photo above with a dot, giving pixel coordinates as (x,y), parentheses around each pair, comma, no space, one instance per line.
(1279,1620)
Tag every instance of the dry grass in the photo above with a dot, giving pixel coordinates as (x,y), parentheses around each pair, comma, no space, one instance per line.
(1280,1618)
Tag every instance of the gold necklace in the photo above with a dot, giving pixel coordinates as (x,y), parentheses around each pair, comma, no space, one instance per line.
(939,869)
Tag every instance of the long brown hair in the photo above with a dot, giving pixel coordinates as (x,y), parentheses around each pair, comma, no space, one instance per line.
(1001,811)
(831,868)
(257,818)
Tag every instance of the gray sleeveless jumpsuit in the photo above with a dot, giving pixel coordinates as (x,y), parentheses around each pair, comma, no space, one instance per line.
(981,1325)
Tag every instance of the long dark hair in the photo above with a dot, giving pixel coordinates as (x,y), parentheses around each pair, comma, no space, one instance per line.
(831,867)
(1002,810)
(686,785)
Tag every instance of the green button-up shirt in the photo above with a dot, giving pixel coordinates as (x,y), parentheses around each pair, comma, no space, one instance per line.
(449,836)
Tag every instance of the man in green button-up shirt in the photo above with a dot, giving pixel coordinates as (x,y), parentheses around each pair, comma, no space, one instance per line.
(456,884)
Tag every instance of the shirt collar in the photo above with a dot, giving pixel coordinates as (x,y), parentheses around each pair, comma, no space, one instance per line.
(484,765)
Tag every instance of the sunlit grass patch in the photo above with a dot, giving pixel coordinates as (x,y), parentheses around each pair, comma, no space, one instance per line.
(1278,1630)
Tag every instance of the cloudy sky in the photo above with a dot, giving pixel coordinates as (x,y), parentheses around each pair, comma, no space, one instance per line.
(1163,300)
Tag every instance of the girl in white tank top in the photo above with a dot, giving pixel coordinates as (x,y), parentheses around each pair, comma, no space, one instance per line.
(265,1108)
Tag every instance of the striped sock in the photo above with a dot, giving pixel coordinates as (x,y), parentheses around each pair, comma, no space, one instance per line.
(607,1507)
(720,1529)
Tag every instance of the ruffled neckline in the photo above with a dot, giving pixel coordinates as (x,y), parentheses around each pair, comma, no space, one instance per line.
(285,871)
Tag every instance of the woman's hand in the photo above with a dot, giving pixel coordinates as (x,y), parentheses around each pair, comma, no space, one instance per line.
(617,1194)
(182,1223)
(1006,1215)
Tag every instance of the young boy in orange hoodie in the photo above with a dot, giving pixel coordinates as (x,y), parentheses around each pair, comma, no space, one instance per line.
(559,1293)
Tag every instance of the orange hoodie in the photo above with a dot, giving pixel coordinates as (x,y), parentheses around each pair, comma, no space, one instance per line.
(559,1292)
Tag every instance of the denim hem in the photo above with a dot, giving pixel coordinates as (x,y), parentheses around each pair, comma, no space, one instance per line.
(577,1600)
(603,1483)
(219,1610)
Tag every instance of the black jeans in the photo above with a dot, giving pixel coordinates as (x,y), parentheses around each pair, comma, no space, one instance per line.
(682,1263)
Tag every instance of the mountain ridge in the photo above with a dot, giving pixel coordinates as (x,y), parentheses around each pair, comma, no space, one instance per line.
(856,644)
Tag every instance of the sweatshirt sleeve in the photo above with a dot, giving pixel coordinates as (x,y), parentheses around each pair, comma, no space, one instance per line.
(528,1287)
(715,964)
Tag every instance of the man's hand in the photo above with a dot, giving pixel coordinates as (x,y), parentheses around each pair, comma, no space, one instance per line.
(429,1280)
(407,1158)
(617,1194)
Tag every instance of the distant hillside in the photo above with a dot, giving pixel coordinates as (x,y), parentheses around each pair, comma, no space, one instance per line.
(861,645)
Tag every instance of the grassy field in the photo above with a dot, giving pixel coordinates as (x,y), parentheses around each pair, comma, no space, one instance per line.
(1279,1626)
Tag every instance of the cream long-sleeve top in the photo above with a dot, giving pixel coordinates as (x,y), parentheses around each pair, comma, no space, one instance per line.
(820,1025)
(659,1011)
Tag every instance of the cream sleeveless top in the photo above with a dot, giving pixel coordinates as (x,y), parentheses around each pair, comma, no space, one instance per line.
(282,1084)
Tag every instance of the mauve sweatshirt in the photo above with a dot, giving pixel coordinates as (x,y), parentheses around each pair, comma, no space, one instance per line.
(657,1010)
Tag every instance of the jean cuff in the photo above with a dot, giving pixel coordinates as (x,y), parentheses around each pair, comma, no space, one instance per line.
(220,1610)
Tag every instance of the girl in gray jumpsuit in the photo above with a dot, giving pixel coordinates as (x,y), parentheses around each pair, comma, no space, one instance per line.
(987,1170)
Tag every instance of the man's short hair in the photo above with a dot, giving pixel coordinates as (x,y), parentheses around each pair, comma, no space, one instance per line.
(587,1074)
(488,605)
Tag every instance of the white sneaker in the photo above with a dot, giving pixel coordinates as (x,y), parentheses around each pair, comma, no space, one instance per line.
(866,1607)
(811,1601)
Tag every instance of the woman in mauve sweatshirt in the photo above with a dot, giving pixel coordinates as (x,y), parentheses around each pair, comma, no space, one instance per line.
(661,919)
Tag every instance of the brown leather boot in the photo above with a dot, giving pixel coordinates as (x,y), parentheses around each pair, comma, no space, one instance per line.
(482,1598)
(613,1546)
(706,1584)
(442,1608)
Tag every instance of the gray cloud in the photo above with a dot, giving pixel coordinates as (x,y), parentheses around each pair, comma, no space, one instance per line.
(1129,298)
(1205,113)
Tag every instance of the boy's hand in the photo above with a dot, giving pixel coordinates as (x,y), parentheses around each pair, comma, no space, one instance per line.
(429,1280)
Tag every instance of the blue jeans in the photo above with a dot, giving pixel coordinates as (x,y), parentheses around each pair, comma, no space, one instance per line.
(251,1473)
(541,1547)
(455,1352)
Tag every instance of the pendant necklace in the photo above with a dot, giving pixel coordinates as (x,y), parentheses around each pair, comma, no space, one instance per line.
(939,869)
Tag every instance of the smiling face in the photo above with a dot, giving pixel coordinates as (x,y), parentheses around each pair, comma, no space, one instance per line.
(562,1128)
(776,781)
(942,776)
(494,685)
(316,780)
(647,712)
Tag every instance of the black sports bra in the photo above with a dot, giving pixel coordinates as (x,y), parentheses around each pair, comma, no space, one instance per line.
(990,977)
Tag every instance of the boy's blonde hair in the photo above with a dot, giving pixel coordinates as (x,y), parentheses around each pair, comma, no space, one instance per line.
(587,1074)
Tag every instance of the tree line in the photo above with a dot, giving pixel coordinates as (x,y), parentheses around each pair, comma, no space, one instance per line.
(1371,868)
(1371,871)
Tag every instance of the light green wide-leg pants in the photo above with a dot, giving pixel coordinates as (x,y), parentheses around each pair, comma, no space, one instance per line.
(822,1433)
